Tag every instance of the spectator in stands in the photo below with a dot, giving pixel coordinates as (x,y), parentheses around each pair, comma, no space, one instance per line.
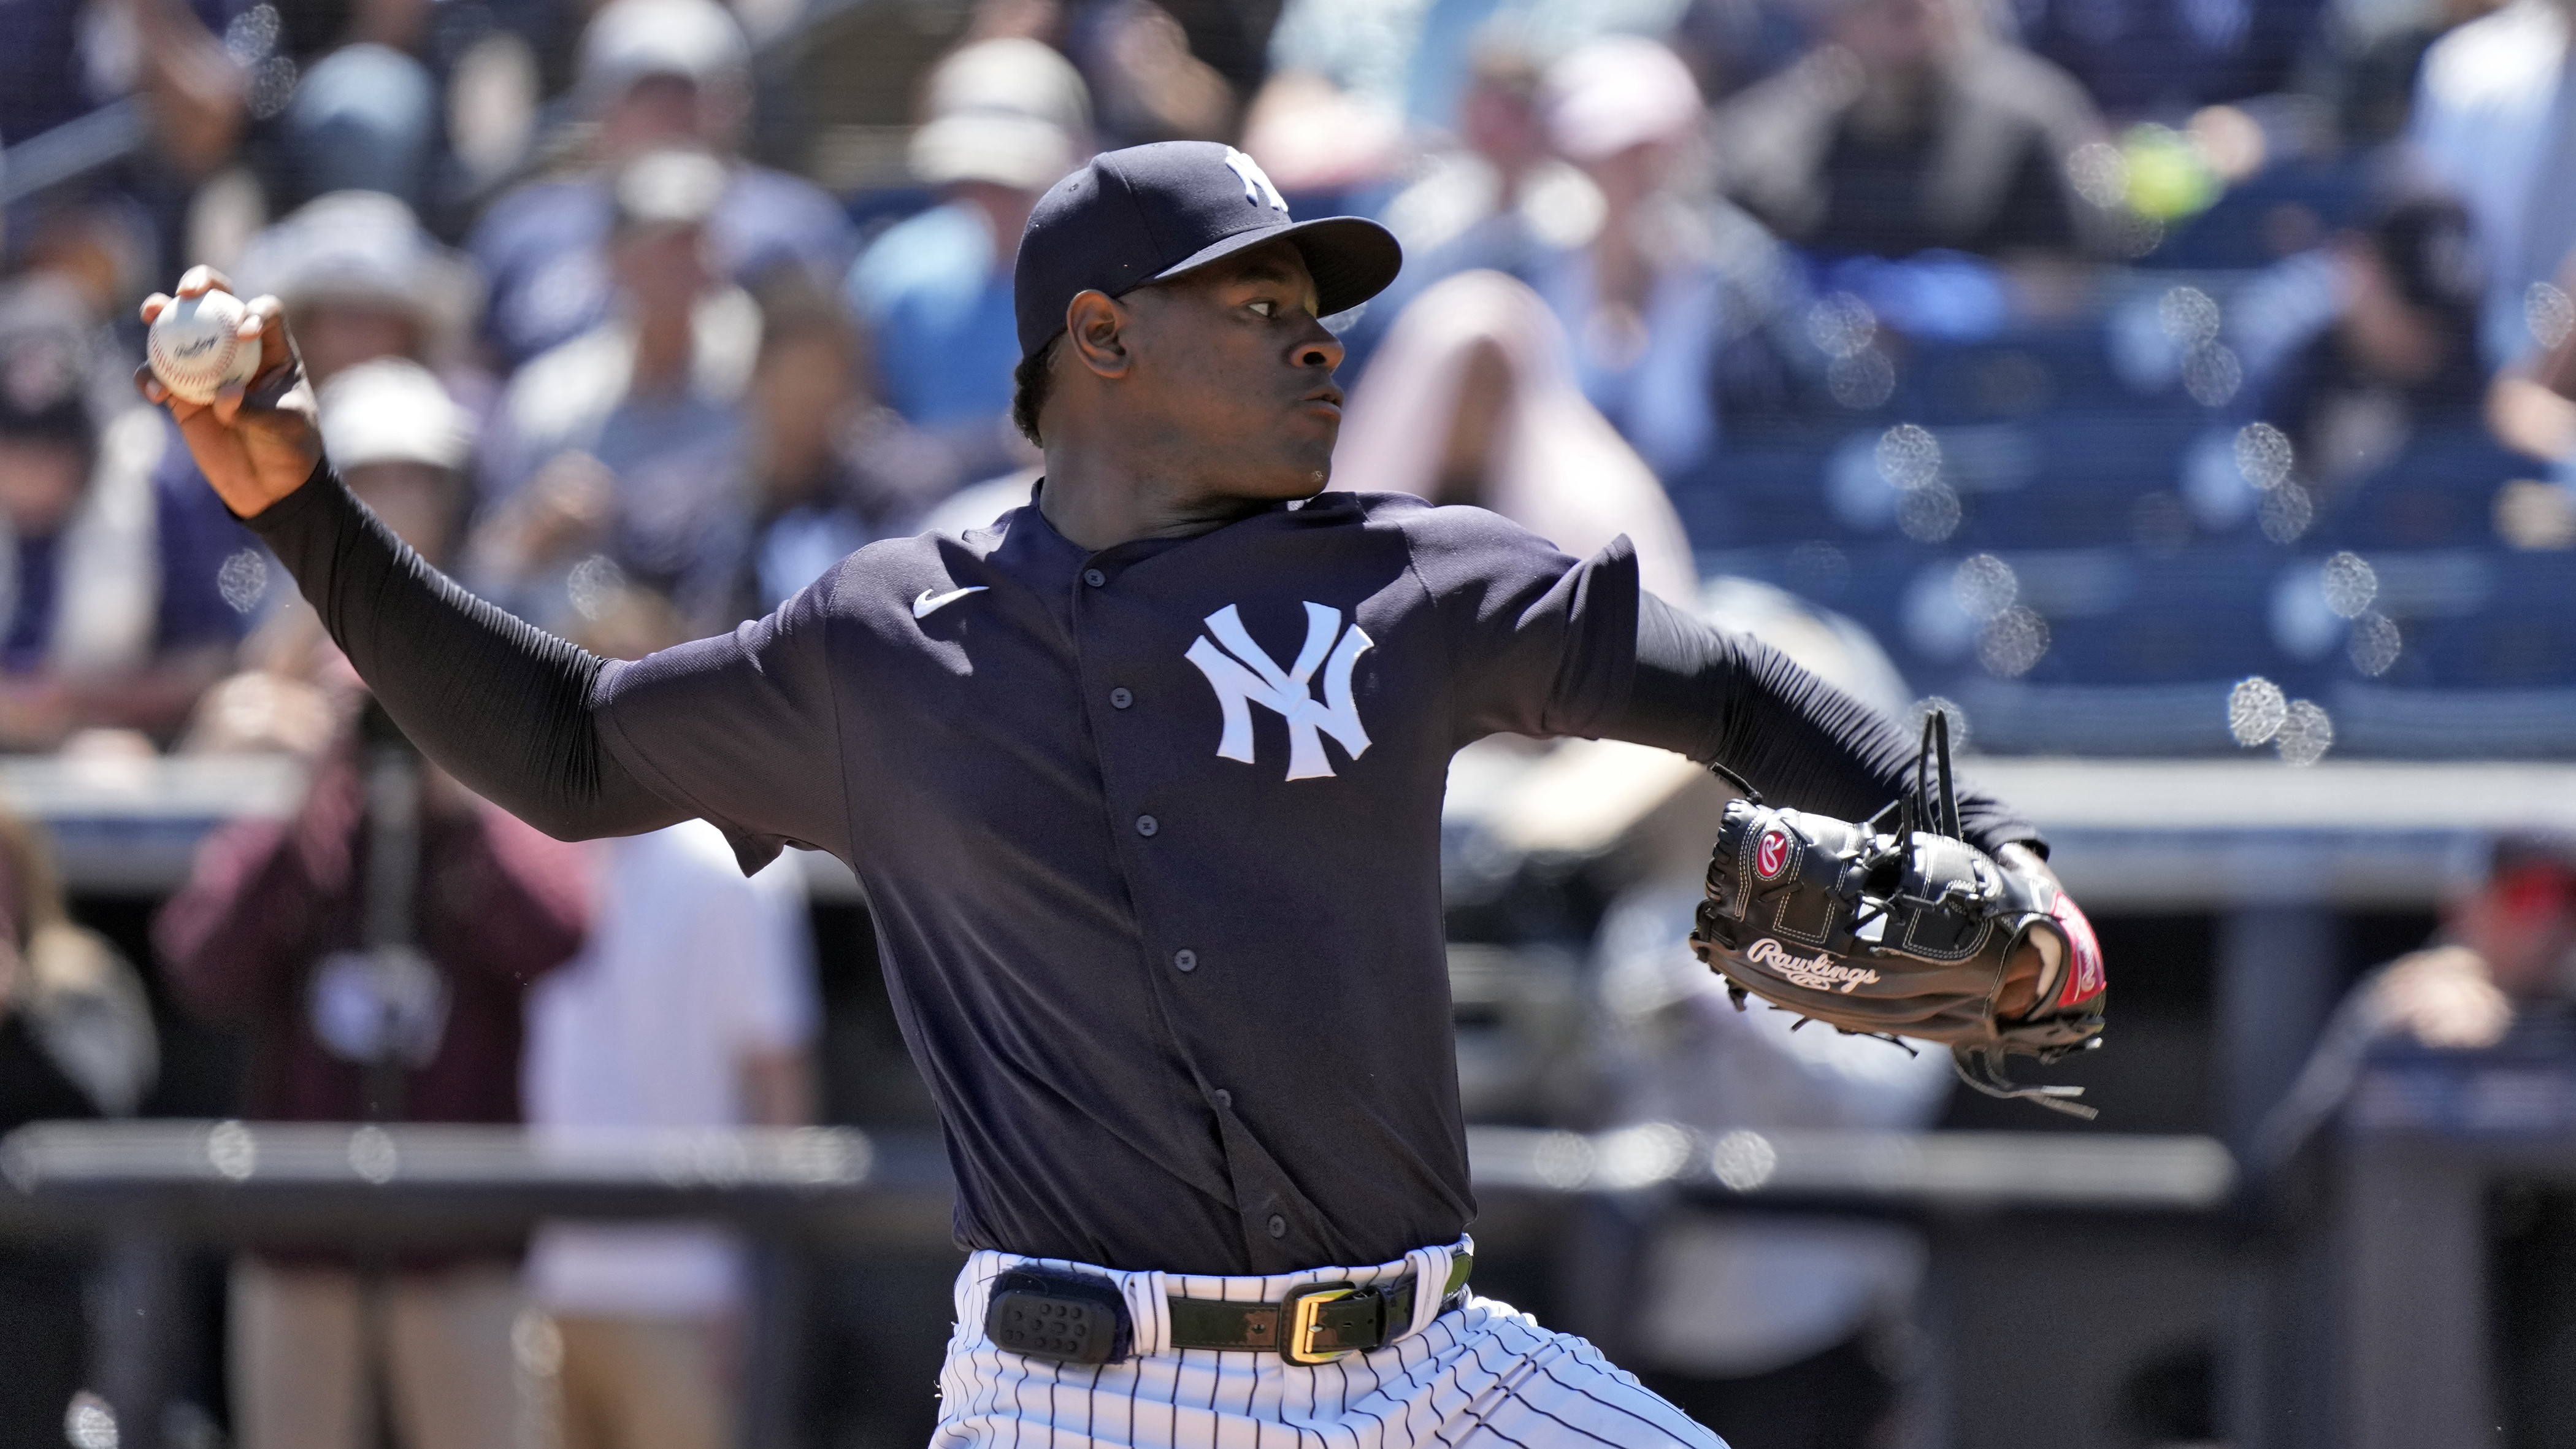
(76,1041)
(2368,57)
(126,597)
(1003,120)
(364,280)
(103,244)
(692,1006)
(365,114)
(1642,295)
(2152,59)
(1731,44)
(1356,85)
(1498,197)
(2506,947)
(2398,354)
(1414,64)
(656,74)
(1359,50)
(65,60)
(361,1009)
(1913,126)
(811,437)
(1136,58)
(2493,126)
(625,444)
(1470,400)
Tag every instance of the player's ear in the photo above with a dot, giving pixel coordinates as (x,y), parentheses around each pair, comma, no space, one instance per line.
(1095,330)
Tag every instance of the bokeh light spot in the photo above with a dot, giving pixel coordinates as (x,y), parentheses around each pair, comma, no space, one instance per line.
(2255,709)
(2306,733)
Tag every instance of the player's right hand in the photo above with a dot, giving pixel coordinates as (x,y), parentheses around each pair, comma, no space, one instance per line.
(257,442)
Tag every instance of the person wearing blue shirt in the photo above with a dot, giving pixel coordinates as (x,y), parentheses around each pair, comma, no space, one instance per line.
(1006,119)
(936,290)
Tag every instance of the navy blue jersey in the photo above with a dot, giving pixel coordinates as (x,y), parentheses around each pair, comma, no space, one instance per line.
(1152,839)
(1151,834)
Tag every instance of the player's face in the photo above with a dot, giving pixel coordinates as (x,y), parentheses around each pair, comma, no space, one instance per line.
(1239,373)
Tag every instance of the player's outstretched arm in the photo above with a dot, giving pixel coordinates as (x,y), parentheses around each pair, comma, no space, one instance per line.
(504,706)
(1735,702)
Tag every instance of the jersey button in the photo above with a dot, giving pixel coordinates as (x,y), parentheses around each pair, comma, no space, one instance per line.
(1094,577)
(1120,699)
(1146,825)
(1185,959)
(1224,1098)
(1278,1226)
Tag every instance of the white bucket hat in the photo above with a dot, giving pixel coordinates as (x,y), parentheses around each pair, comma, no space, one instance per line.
(1011,112)
(393,411)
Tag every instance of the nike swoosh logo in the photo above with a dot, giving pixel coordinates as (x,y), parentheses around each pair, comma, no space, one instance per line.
(929,603)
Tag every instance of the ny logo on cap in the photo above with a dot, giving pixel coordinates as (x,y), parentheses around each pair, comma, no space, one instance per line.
(1256,182)
(1252,677)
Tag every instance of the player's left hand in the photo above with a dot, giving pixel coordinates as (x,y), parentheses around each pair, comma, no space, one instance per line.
(2028,965)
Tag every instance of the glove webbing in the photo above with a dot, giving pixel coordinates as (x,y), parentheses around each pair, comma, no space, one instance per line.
(1979,1068)
(1984,1070)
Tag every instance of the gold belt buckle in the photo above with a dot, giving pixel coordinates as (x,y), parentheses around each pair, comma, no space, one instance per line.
(1300,1311)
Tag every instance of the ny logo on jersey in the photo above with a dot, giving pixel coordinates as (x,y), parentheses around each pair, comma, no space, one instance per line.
(1243,675)
(1256,182)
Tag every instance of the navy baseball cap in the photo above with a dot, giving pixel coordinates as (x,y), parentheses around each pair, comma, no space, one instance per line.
(1149,213)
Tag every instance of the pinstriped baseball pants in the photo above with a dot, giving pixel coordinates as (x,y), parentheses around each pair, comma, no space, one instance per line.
(1484,1376)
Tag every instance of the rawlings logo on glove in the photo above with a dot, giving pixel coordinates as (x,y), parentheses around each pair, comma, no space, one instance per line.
(1895,927)
(1819,973)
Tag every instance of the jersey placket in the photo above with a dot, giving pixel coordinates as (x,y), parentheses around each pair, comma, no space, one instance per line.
(1149,825)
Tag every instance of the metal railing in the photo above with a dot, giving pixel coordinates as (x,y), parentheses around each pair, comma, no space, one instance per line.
(2401,1336)
(149,1192)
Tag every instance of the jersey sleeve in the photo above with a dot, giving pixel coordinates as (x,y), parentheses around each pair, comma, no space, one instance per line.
(1544,644)
(503,706)
(741,729)
(1733,702)
(738,729)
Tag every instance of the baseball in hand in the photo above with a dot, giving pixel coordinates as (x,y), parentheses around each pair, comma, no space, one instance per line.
(195,346)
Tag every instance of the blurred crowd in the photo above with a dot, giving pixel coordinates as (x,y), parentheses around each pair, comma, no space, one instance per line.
(574,288)
(636,316)
(623,297)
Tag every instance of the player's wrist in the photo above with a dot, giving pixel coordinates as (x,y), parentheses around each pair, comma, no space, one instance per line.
(271,482)
(278,507)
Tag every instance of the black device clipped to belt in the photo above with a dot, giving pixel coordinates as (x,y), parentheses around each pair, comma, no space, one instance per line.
(1078,1318)
(1068,1317)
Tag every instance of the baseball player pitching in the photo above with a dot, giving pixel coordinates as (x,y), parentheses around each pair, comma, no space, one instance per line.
(1144,783)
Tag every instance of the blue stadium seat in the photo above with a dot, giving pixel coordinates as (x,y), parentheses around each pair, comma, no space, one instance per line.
(2523,637)
(2437,492)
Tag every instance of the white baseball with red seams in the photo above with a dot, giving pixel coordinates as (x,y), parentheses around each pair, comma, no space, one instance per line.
(195,346)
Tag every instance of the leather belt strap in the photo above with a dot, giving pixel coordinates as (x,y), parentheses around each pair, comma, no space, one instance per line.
(1360,1320)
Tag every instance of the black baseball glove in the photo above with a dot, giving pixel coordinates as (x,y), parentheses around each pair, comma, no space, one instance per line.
(1895,927)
